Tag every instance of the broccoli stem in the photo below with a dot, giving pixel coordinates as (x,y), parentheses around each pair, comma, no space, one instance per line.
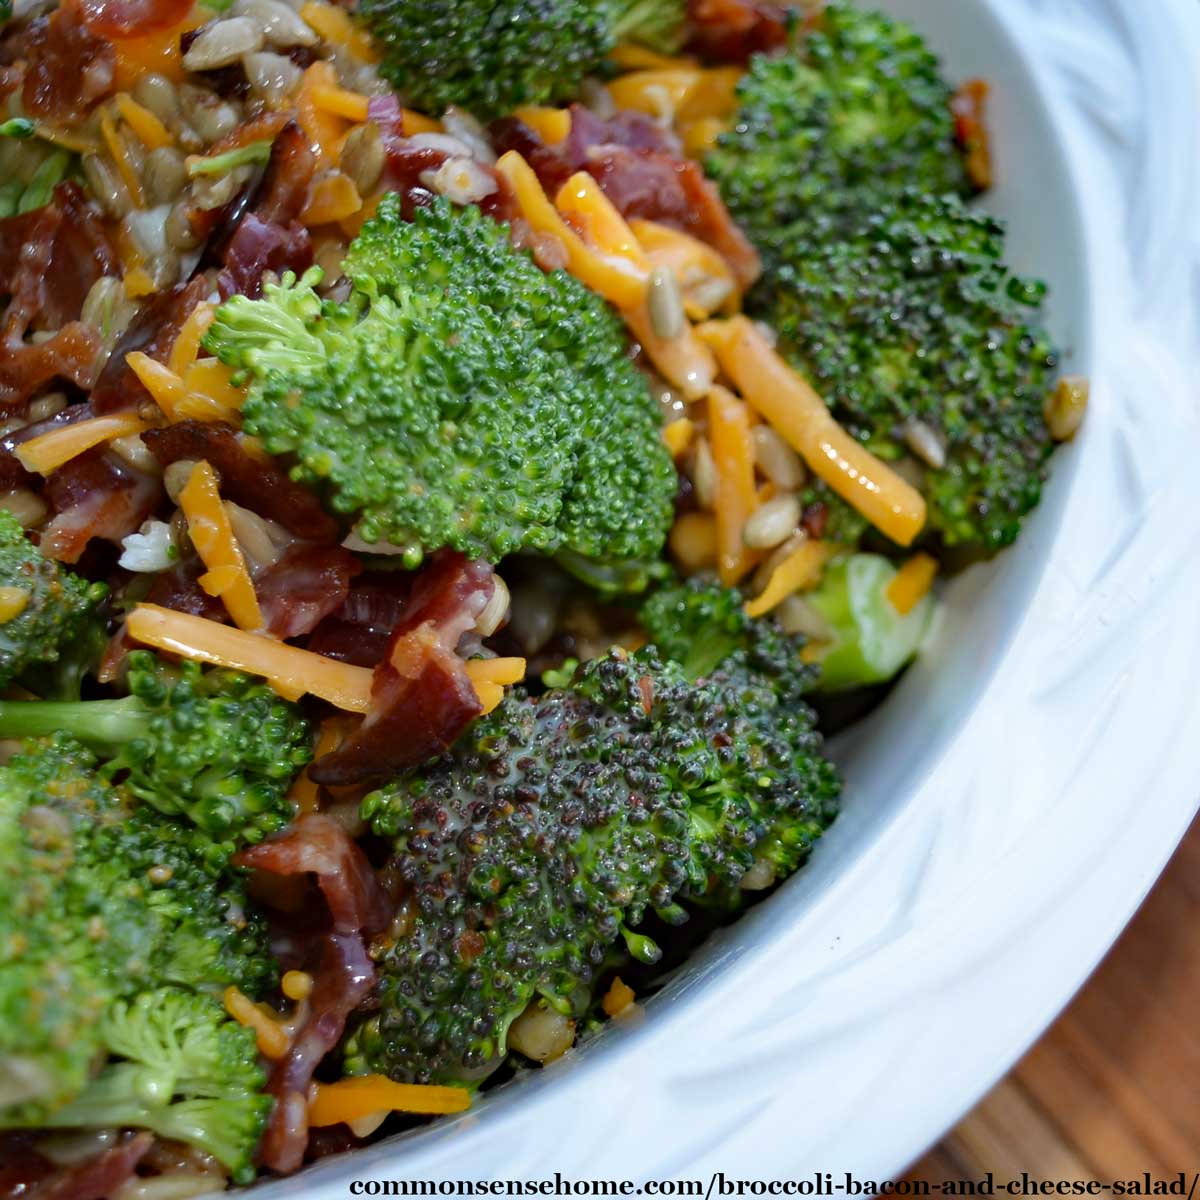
(96,722)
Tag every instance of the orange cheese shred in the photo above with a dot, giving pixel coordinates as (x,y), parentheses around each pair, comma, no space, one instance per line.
(157,50)
(304,793)
(678,435)
(618,997)
(292,672)
(208,525)
(151,132)
(49,451)
(351,105)
(335,25)
(736,498)
(361,1095)
(186,345)
(417,122)
(323,128)
(552,125)
(13,602)
(583,202)
(704,277)
(800,571)
(612,276)
(795,411)
(912,583)
(659,91)
(210,391)
(683,361)
(489,675)
(333,198)
(272,1039)
(120,155)
(159,380)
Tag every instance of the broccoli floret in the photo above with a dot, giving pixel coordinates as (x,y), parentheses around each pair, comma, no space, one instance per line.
(857,106)
(462,397)
(494,57)
(908,314)
(552,828)
(99,899)
(213,746)
(49,605)
(869,641)
(180,1067)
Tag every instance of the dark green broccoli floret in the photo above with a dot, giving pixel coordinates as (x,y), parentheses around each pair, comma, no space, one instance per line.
(858,105)
(492,57)
(99,900)
(54,604)
(462,397)
(211,745)
(180,1067)
(557,823)
(907,315)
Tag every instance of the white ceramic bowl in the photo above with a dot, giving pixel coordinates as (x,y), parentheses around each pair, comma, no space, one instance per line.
(1011,804)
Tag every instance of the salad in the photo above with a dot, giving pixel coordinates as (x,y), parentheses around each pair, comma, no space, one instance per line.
(458,461)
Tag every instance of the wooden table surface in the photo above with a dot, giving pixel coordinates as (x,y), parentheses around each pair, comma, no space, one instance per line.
(1113,1089)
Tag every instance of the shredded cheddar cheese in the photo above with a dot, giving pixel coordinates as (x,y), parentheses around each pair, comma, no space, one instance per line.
(415,122)
(151,132)
(618,998)
(292,672)
(360,1096)
(552,125)
(683,361)
(736,499)
(789,404)
(13,601)
(334,25)
(49,451)
(612,276)
(186,345)
(333,198)
(351,105)
(582,201)
(272,1038)
(678,435)
(800,571)
(208,525)
(120,155)
(912,583)
(704,276)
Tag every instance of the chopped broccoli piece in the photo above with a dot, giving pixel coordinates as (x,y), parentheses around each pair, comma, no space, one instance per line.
(858,105)
(908,314)
(493,57)
(99,899)
(180,1067)
(871,641)
(54,604)
(213,746)
(461,398)
(542,839)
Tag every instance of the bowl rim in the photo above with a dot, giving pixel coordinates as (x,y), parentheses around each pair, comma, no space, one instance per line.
(908,991)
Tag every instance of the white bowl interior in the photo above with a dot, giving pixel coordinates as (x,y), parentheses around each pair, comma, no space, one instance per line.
(887,757)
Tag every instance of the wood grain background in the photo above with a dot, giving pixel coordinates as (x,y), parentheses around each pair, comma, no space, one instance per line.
(1113,1089)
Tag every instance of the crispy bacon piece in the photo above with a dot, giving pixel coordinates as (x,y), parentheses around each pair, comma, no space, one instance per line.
(343,975)
(126,18)
(310,581)
(25,368)
(969,107)
(27,1174)
(260,246)
(421,695)
(258,485)
(96,495)
(69,68)
(358,632)
(153,331)
(732,30)
(283,192)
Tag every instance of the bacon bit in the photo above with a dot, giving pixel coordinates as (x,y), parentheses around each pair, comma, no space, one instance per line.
(133,18)
(13,602)
(212,535)
(259,246)
(304,793)
(733,30)
(357,1097)
(152,133)
(618,998)
(421,697)
(292,672)
(68,68)
(333,198)
(646,691)
(50,451)
(969,107)
(912,583)
(800,571)
(335,25)
(469,945)
(96,1178)
(271,1037)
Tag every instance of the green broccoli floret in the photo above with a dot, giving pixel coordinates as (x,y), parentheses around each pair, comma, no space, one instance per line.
(214,746)
(857,106)
(869,641)
(542,839)
(180,1067)
(493,57)
(908,322)
(54,605)
(462,397)
(99,900)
